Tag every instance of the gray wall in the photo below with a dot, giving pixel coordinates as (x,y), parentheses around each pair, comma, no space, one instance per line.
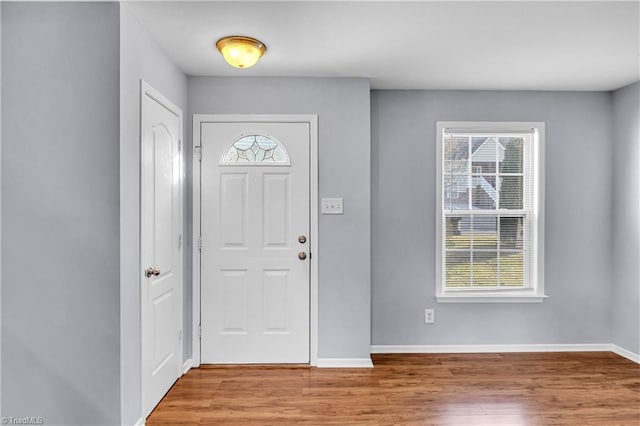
(60,212)
(344,150)
(578,219)
(626,218)
(0,209)
(140,58)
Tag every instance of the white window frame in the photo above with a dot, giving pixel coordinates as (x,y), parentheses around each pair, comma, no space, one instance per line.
(535,292)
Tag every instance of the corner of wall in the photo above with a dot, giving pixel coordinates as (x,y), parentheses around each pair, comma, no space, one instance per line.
(625,303)
(1,4)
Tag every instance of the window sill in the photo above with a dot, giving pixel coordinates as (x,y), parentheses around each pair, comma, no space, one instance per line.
(468,297)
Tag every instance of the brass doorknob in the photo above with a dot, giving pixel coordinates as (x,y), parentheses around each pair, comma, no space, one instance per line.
(302,239)
(302,255)
(152,271)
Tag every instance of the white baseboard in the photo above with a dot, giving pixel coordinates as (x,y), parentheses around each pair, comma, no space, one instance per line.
(443,349)
(140,422)
(344,363)
(440,349)
(626,354)
(187,366)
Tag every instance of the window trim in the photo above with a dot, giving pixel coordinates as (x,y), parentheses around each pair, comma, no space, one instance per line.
(536,293)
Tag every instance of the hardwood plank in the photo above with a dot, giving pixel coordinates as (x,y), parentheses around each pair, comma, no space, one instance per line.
(590,388)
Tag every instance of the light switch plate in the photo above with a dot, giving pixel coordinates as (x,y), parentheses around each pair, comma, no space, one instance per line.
(331,206)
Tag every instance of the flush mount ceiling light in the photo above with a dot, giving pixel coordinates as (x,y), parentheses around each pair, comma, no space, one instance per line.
(240,51)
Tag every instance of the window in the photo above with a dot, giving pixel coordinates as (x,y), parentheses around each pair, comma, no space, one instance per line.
(255,149)
(490,212)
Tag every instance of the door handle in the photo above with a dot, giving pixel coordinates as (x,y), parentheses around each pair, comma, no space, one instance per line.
(302,255)
(152,271)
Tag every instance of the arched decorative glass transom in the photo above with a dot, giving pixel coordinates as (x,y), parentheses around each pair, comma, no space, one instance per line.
(255,150)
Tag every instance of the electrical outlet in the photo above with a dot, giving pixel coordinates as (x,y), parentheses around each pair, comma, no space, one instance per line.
(429,316)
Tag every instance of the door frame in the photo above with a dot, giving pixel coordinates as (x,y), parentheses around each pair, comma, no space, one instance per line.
(312,120)
(147,91)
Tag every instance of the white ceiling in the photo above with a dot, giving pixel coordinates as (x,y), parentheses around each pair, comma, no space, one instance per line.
(506,45)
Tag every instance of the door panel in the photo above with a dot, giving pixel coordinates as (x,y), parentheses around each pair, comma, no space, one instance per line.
(276,209)
(254,288)
(161,253)
(234,286)
(275,301)
(233,209)
(163,350)
(164,144)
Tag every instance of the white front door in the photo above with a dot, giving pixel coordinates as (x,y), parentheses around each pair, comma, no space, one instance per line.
(161,246)
(255,242)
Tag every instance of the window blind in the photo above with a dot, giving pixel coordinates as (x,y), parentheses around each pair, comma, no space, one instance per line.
(487,199)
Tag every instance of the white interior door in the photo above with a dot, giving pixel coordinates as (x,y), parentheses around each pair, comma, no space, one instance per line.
(255,242)
(161,251)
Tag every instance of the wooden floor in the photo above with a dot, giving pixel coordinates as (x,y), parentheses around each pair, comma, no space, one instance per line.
(588,388)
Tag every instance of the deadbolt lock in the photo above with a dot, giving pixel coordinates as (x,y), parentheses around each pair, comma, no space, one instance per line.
(302,239)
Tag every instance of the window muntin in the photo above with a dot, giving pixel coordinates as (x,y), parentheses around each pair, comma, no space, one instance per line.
(255,150)
(488,209)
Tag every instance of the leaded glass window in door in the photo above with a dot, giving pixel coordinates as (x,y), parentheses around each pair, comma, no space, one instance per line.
(255,150)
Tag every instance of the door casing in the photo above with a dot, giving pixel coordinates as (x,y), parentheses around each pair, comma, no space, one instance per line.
(312,120)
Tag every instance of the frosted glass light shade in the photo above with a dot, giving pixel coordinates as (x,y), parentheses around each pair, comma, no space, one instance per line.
(240,51)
